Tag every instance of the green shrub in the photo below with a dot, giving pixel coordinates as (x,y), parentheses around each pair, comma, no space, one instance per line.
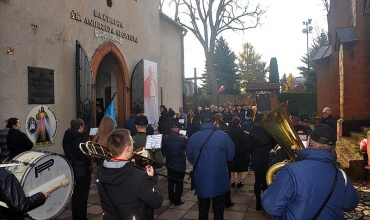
(304,103)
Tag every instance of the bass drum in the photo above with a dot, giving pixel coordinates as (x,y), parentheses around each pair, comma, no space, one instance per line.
(42,173)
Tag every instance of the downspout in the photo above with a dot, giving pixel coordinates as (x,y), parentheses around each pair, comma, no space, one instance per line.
(183,69)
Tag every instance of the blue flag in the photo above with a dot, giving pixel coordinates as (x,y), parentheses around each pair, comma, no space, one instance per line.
(110,111)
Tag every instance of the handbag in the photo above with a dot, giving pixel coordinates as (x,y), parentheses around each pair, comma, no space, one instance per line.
(192,185)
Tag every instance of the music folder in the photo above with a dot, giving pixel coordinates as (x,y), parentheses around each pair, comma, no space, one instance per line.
(153,142)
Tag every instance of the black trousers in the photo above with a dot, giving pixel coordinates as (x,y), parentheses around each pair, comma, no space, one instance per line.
(79,201)
(218,206)
(259,185)
(175,185)
(228,194)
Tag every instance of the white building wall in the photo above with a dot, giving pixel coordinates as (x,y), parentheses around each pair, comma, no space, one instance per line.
(43,34)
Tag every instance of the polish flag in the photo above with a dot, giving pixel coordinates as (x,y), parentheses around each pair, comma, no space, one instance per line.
(221,89)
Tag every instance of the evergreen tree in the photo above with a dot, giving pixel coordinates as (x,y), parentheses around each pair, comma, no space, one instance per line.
(283,82)
(251,67)
(274,72)
(310,75)
(225,68)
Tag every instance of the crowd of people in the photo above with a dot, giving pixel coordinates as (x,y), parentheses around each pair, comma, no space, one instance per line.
(313,188)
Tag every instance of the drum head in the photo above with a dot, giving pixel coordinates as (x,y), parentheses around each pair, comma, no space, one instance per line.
(47,172)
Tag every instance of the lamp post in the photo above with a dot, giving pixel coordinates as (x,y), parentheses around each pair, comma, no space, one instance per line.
(306,31)
(235,88)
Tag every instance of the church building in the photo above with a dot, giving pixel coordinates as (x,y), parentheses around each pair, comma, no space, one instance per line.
(65,59)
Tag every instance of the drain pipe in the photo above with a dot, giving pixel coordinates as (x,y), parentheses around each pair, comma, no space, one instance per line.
(183,69)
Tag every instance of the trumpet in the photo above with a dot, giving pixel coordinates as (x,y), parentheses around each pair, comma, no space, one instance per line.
(96,150)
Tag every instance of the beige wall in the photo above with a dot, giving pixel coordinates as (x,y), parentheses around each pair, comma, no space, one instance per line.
(52,45)
(169,67)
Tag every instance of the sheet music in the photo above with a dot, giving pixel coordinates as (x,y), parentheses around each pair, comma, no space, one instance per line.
(151,121)
(183,132)
(93,131)
(182,121)
(153,141)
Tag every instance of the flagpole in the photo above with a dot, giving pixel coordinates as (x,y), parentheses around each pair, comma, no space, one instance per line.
(113,96)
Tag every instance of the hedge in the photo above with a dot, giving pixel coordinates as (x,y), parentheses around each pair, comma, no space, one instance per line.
(303,103)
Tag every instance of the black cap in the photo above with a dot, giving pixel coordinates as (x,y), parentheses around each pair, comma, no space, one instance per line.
(207,117)
(141,120)
(176,124)
(323,134)
(300,129)
(171,113)
(304,118)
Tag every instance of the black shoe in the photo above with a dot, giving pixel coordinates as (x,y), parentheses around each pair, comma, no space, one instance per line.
(258,206)
(178,203)
(239,185)
(229,204)
(232,185)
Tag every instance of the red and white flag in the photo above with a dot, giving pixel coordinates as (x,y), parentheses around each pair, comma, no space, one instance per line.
(221,89)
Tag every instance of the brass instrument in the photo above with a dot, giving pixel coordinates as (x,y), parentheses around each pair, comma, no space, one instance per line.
(96,150)
(278,125)
(221,124)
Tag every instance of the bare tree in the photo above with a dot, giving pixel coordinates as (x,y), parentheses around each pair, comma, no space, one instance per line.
(207,19)
(326,5)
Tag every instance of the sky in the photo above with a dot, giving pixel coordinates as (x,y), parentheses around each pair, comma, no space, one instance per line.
(279,35)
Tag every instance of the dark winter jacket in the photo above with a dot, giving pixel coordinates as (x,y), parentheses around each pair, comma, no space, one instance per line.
(300,188)
(261,143)
(167,125)
(227,117)
(125,190)
(71,143)
(174,147)
(12,194)
(240,161)
(211,174)
(161,120)
(17,142)
(331,122)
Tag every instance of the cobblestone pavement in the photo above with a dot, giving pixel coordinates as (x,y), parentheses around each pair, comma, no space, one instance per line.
(243,198)
(363,209)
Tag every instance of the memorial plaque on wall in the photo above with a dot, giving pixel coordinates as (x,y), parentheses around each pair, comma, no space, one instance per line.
(40,86)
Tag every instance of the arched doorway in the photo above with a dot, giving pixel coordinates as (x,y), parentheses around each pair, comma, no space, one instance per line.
(111,76)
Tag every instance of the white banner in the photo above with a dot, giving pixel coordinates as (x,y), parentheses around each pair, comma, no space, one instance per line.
(151,92)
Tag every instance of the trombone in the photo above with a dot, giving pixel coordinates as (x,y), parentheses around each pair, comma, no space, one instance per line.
(100,151)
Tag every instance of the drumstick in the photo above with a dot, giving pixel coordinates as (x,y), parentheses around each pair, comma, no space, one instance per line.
(62,183)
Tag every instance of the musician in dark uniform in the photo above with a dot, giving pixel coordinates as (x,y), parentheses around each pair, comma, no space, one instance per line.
(81,167)
(12,194)
(174,146)
(125,190)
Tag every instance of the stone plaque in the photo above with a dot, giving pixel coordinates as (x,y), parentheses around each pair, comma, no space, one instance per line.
(40,86)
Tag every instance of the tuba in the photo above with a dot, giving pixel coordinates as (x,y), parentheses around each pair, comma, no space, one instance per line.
(278,125)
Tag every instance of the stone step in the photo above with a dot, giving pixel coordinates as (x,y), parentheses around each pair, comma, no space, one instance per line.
(347,142)
(364,129)
(358,135)
(352,162)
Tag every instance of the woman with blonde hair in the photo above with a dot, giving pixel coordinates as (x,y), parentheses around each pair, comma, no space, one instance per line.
(189,124)
(105,128)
